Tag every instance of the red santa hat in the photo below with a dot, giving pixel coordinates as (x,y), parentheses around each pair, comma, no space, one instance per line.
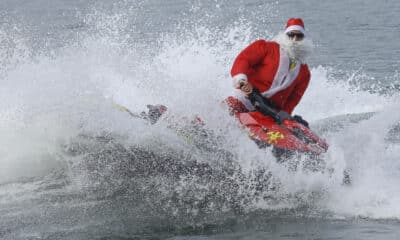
(295,24)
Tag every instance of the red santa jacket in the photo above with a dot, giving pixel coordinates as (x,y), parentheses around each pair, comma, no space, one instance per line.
(266,66)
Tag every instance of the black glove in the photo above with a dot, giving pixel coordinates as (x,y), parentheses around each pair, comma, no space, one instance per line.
(300,120)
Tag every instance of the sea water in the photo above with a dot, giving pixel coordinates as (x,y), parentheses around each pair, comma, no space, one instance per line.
(73,165)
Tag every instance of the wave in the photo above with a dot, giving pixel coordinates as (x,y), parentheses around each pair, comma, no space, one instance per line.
(58,116)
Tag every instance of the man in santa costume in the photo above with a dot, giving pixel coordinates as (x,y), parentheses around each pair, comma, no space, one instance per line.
(277,69)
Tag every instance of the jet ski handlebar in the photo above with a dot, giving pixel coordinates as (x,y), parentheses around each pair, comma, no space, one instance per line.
(262,105)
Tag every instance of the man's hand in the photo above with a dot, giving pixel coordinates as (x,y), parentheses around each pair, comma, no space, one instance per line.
(299,119)
(246,87)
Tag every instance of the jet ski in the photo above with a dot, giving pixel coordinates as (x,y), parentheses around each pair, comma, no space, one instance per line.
(287,136)
(264,127)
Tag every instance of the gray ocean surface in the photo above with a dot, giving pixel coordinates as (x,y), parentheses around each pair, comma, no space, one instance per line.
(73,165)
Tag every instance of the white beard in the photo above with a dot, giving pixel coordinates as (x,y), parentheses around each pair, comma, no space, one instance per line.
(298,50)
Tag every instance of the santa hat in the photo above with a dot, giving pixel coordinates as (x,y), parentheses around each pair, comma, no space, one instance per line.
(295,24)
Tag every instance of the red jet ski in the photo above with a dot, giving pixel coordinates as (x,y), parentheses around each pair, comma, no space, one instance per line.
(266,128)
(264,125)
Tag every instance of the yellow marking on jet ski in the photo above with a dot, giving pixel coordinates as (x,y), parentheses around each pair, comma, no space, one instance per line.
(273,137)
(251,134)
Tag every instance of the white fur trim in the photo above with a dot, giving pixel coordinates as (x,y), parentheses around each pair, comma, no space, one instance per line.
(283,77)
(295,27)
(237,78)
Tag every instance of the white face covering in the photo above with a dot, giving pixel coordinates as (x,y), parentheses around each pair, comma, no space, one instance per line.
(298,50)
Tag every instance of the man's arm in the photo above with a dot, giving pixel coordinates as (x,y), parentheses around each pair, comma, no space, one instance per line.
(250,56)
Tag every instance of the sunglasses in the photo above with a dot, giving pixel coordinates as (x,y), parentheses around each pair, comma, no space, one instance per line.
(292,35)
